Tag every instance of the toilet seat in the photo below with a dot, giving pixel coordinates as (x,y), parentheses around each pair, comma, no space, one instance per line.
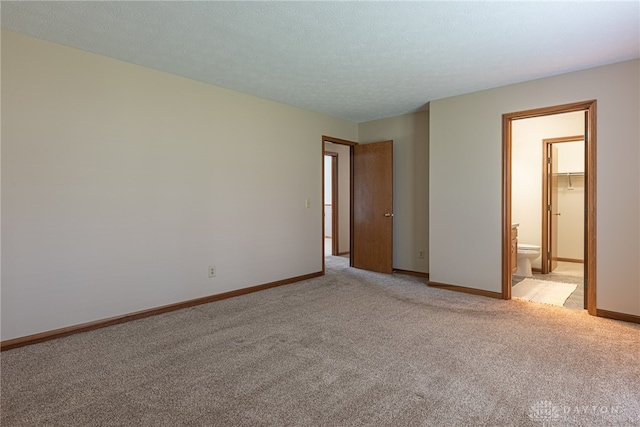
(528,251)
(525,247)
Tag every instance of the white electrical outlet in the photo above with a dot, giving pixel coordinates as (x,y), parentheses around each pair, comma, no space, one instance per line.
(212,271)
(421,254)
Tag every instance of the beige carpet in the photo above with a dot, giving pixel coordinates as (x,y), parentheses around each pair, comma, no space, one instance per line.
(542,291)
(351,348)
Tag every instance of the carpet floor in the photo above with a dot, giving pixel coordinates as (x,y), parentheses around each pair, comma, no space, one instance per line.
(351,348)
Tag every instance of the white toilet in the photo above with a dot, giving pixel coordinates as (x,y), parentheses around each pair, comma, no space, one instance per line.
(526,254)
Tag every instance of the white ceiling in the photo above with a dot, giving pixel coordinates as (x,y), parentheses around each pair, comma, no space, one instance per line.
(358,61)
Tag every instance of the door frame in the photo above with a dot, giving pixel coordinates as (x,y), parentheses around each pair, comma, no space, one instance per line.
(334,202)
(546,143)
(350,144)
(590,138)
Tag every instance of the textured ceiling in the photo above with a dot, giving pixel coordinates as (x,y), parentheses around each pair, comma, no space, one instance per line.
(354,60)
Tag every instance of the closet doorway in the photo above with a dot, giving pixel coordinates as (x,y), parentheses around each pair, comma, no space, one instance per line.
(563,196)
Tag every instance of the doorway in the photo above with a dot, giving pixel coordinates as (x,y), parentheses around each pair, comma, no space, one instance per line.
(331,204)
(509,236)
(369,201)
(563,202)
(563,215)
(340,219)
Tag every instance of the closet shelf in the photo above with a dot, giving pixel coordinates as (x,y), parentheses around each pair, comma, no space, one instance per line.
(570,173)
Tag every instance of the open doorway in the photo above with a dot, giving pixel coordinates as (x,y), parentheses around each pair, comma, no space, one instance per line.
(532,222)
(547,210)
(337,193)
(563,202)
(331,204)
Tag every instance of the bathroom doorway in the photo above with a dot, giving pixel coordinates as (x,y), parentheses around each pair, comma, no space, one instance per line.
(520,224)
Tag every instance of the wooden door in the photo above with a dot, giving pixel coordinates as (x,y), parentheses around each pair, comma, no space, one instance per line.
(372,238)
(553,209)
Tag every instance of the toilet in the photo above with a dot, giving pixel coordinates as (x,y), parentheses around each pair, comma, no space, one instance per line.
(526,254)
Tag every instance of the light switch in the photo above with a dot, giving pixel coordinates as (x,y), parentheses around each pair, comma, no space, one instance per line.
(307,203)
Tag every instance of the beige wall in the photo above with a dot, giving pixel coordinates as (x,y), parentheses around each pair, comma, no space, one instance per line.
(571,191)
(121,185)
(465,179)
(571,157)
(410,135)
(571,222)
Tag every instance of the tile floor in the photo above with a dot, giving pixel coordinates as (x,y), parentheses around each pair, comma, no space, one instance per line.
(572,269)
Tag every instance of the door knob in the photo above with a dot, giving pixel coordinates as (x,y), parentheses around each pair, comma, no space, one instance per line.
(557,214)
(388,214)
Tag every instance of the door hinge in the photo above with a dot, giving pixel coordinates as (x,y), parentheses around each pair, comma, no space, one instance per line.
(549,254)
(549,208)
(585,283)
(549,160)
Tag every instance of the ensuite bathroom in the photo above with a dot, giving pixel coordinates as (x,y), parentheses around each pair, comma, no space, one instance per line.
(547,209)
